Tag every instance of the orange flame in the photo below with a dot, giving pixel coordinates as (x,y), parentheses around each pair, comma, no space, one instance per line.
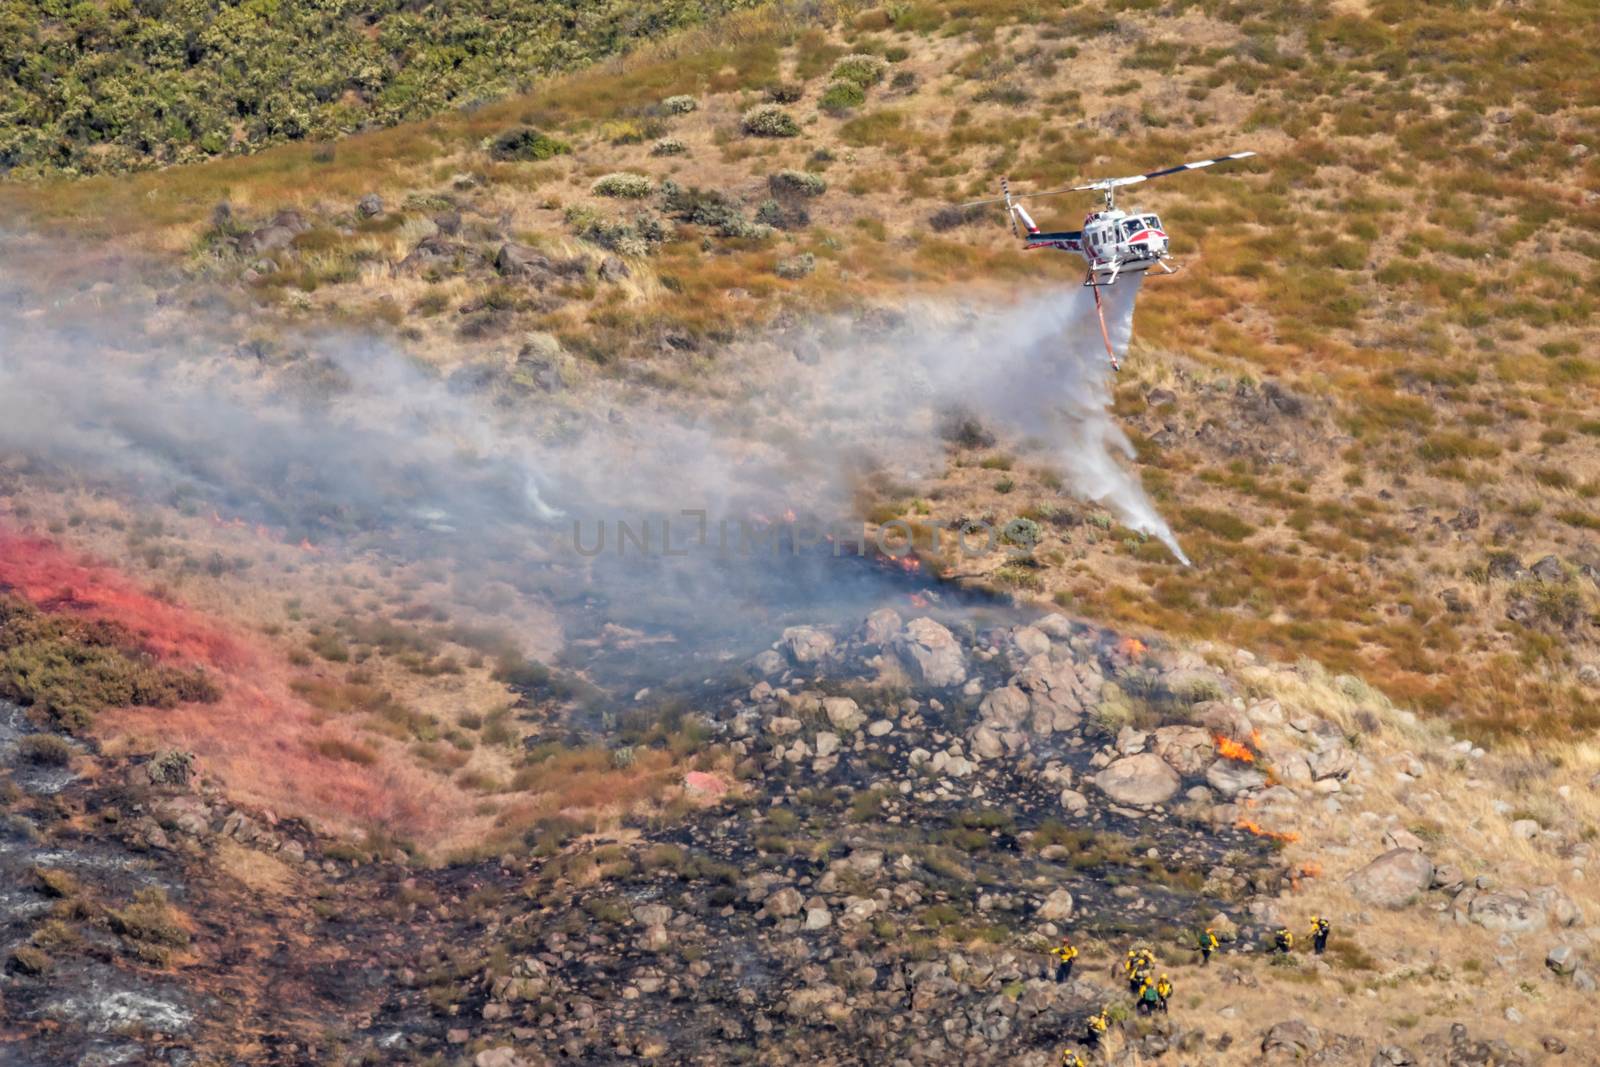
(918,600)
(1131,647)
(1228,748)
(1261,831)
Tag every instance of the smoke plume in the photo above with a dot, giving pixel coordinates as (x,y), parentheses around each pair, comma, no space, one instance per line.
(352,440)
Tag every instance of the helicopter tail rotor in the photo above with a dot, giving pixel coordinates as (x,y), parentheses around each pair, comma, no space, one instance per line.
(1011,214)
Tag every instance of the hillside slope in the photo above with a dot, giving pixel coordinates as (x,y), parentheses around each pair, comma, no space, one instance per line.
(117,86)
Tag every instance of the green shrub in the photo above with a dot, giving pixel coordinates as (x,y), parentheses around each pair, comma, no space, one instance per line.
(796,267)
(524,144)
(770,120)
(710,209)
(796,183)
(842,96)
(668,146)
(623,185)
(72,668)
(679,105)
(785,93)
(859,69)
(45,750)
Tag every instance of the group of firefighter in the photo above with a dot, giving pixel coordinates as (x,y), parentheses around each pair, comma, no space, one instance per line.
(1151,991)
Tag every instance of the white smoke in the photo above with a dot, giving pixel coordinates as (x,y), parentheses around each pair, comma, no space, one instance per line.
(361,440)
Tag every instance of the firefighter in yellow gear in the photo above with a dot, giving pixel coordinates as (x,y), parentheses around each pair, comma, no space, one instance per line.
(1164,991)
(1149,999)
(1208,945)
(1064,953)
(1070,1058)
(1320,929)
(1283,941)
(1097,1026)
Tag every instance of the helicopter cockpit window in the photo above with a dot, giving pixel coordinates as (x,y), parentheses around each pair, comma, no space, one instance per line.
(1132,226)
(1152,222)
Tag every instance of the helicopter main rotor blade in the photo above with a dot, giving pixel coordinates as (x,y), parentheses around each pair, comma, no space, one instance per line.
(1115,183)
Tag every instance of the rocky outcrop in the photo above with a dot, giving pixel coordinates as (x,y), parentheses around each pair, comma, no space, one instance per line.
(1144,780)
(932,653)
(1394,879)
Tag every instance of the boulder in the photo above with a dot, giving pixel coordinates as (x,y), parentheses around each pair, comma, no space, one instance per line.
(932,653)
(1394,879)
(844,713)
(1331,760)
(1295,1039)
(1512,912)
(806,644)
(370,206)
(881,627)
(1004,709)
(1031,641)
(1562,960)
(986,743)
(784,903)
(1189,750)
(1143,779)
(1230,777)
(1057,906)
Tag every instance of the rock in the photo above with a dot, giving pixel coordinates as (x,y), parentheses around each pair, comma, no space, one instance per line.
(1449,878)
(1562,960)
(1553,1045)
(1056,625)
(881,627)
(613,269)
(880,728)
(270,238)
(437,255)
(767,662)
(1230,777)
(1331,760)
(1057,906)
(1031,641)
(1294,1038)
(1394,879)
(933,653)
(1074,802)
(1549,570)
(784,903)
(986,743)
(1399,837)
(1562,909)
(806,644)
(1393,1056)
(652,914)
(1005,709)
(1525,829)
(529,264)
(818,918)
(783,726)
(844,713)
(1144,779)
(448,222)
(827,743)
(1189,750)
(370,206)
(1511,912)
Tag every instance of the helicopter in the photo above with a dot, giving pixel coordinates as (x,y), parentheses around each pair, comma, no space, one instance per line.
(1115,243)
